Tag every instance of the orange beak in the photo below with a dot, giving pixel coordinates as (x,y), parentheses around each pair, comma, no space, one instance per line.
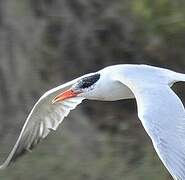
(64,95)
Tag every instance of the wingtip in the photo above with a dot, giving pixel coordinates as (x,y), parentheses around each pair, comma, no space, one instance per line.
(3,166)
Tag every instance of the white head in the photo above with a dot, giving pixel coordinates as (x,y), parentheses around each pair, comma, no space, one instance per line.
(84,87)
(97,86)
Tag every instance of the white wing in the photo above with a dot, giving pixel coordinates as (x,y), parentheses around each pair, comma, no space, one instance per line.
(163,117)
(44,117)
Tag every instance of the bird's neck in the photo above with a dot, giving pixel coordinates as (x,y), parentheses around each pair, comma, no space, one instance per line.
(108,89)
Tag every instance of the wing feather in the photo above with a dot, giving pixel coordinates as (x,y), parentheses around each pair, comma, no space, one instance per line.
(43,118)
(163,117)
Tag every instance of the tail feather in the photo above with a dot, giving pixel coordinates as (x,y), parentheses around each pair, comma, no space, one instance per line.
(179,77)
(175,77)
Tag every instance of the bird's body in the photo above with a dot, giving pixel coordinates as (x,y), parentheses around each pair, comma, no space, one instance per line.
(159,109)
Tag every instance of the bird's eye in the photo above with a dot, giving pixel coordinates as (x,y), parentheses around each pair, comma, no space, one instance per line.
(88,81)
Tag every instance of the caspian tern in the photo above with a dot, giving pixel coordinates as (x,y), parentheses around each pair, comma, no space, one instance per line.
(160,110)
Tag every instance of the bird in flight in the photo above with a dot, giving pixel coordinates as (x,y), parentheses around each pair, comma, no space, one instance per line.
(160,110)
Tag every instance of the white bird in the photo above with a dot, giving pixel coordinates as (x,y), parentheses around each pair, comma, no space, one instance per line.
(160,110)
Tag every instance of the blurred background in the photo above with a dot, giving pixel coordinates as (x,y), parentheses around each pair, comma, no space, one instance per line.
(44,43)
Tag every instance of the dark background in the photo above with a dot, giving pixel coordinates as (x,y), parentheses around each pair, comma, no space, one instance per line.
(44,43)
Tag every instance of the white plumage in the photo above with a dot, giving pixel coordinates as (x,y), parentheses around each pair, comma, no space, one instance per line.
(159,109)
